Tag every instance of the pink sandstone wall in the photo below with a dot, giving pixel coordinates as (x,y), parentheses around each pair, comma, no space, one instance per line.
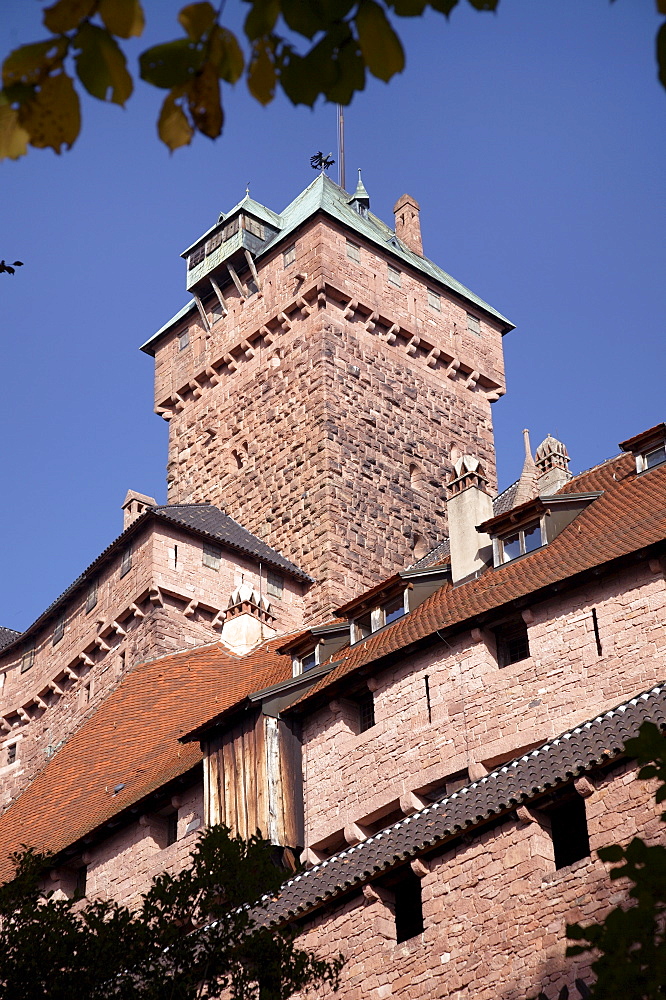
(495,910)
(481,714)
(321,412)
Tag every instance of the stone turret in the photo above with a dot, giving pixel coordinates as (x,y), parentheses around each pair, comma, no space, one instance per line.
(552,463)
(408,223)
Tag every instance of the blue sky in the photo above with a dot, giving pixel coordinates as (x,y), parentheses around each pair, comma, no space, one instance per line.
(535,142)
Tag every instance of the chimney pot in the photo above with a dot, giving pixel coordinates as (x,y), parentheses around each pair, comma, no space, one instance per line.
(469,504)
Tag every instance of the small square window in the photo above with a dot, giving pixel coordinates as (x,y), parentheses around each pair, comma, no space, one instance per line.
(28,659)
(473,325)
(654,458)
(91,597)
(11,753)
(394,609)
(434,300)
(59,630)
(308,661)
(353,251)
(394,276)
(183,340)
(212,554)
(512,642)
(274,584)
(568,825)
(408,907)
(289,255)
(126,561)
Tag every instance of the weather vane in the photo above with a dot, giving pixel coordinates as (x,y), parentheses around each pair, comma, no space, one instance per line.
(321,162)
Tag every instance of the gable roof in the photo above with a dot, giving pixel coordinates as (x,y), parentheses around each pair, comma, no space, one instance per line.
(573,753)
(204,520)
(629,515)
(73,795)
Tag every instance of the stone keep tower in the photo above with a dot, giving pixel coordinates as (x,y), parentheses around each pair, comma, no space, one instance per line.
(319,380)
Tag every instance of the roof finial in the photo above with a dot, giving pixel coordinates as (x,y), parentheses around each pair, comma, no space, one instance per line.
(360,199)
(247,190)
(527,484)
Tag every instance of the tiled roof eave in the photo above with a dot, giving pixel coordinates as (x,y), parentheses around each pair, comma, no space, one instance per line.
(579,750)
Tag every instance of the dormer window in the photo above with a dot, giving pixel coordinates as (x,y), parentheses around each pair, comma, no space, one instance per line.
(385,614)
(648,448)
(306,661)
(521,542)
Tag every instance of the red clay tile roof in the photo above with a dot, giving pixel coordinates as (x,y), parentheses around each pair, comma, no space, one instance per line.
(133,739)
(628,516)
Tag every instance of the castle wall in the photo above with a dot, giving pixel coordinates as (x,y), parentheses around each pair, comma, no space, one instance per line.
(495,909)
(481,714)
(321,413)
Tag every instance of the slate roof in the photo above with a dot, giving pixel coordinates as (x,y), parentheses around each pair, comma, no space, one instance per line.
(324,195)
(133,739)
(206,519)
(578,750)
(629,515)
(7,635)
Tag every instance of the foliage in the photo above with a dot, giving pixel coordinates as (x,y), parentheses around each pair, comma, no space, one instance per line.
(308,48)
(631,941)
(191,936)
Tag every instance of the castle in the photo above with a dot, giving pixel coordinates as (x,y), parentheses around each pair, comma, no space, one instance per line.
(336,630)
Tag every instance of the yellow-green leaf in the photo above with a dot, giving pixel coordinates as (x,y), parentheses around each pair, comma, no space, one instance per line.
(173,127)
(226,54)
(31,63)
(123,18)
(262,76)
(101,65)
(53,117)
(13,138)
(67,14)
(204,101)
(197,19)
(380,46)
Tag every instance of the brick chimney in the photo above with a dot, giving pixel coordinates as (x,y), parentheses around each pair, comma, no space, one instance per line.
(469,504)
(408,223)
(134,505)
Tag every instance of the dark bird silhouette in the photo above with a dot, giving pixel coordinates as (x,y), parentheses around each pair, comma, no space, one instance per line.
(321,162)
(10,268)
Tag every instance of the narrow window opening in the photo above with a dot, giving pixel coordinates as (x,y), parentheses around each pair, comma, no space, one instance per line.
(394,276)
(366,711)
(175,557)
(568,824)
(434,300)
(59,630)
(212,555)
(512,642)
(91,596)
(473,324)
(426,681)
(408,907)
(81,881)
(183,340)
(353,251)
(289,255)
(11,753)
(126,562)
(28,659)
(172,829)
(595,626)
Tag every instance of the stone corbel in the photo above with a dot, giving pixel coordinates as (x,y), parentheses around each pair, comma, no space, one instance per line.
(321,294)
(230,362)
(392,333)
(433,357)
(39,701)
(527,615)
(103,645)
(4,725)
(284,321)
(411,803)
(420,867)
(452,369)
(136,610)
(247,349)
(191,608)
(472,379)
(267,335)
(212,375)
(119,629)
(56,689)
(350,309)
(163,412)
(23,714)
(413,344)
(178,402)
(304,306)
(525,815)
(197,391)
(155,596)
(354,834)
(84,659)
(73,676)
(584,786)
(476,635)
(218,620)
(371,322)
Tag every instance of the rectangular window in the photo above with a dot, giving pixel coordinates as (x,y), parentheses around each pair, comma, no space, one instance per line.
(309,661)
(362,627)
(289,255)
(59,630)
(434,300)
(394,276)
(366,711)
(521,542)
(473,325)
(172,829)
(11,753)
(353,251)
(91,596)
(212,554)
(394,609)
(126,561)
(512,642)
(274,584)
(568,825)
(81,882)
(28,659)
(655,457)
(408,907)
(183,340)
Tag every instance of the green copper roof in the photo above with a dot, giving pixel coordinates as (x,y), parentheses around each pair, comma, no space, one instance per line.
(324,195)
